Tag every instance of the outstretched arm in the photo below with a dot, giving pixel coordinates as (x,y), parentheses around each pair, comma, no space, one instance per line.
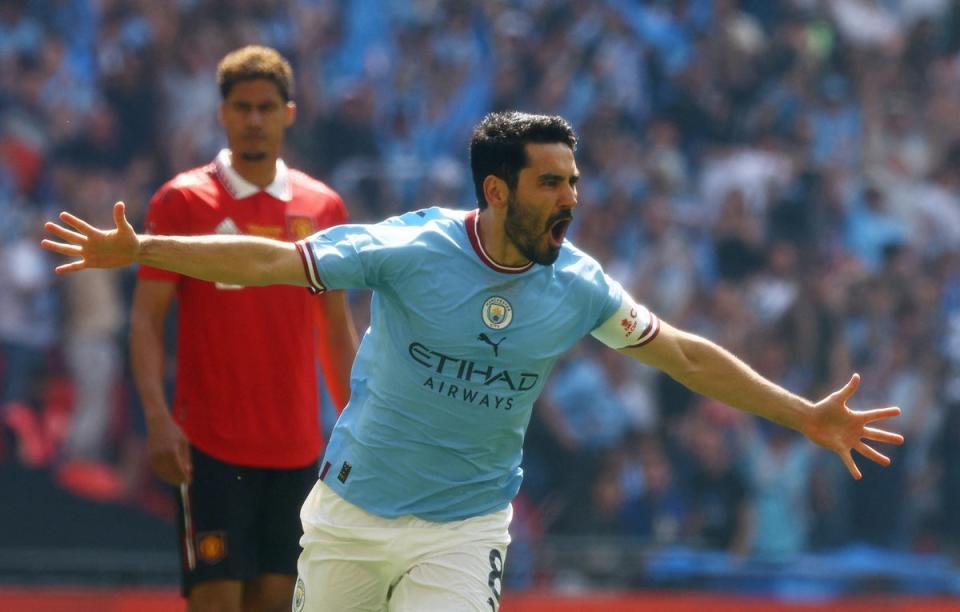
(235,260)
(713,371)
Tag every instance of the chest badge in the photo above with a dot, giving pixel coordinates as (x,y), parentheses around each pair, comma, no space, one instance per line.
(497,313)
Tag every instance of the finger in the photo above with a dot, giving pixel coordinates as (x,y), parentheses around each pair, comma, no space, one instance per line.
(61,232)
(119,218)
(872,454)
(879,435)
(73,266)
(78,223)
(851,465)
(869,416)
(184,463)
(71,250)
(850,388)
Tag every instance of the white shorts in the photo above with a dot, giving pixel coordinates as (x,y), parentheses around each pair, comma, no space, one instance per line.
(355,561)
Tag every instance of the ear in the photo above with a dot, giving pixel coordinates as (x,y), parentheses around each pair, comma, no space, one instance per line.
(220,114)
(291,113)
(496,191)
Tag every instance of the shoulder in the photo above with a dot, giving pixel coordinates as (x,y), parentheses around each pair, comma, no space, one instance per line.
(584,276)
(200,178)
(434,218)
(428,227)
(194,182)
(576,263)
(306,184)
(423,231)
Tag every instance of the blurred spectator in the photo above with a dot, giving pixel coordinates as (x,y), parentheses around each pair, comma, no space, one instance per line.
(738,239)
(947,458)
(719,511)
(584,419)
(835,124)
(871,228)
(28,329)
(94,318)
(777,467)
(657,511)
(581,410)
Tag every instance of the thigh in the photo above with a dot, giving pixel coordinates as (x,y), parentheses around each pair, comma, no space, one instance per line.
(325,584)
(268,593)
(278,524)
(221,595)
(465,580)
(345,565)
(216,522)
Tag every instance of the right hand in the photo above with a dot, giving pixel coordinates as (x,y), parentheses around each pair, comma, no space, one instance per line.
(169,451)
(95,247)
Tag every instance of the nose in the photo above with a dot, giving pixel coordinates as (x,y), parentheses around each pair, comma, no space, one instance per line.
(568,199)
(255,118)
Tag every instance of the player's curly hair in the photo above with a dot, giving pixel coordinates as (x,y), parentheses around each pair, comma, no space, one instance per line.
(255,62)
(498,145)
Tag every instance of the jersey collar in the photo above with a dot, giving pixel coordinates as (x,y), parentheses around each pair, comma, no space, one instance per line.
(241,188)
(472,221)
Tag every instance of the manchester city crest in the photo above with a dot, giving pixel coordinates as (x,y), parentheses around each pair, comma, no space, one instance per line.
(299,596)
(497,312)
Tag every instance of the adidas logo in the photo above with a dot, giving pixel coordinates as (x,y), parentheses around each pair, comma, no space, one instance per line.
(227,226)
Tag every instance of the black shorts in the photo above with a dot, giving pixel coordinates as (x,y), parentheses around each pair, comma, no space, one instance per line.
(238,522)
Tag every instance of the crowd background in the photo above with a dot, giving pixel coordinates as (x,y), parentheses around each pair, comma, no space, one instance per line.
(782,177)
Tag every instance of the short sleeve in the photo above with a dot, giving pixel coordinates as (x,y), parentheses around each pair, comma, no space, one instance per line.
(166,216)
(354,256)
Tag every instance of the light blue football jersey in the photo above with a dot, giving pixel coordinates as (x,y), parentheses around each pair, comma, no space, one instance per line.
(457,351)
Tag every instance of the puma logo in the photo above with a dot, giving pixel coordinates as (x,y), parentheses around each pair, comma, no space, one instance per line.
(495,345)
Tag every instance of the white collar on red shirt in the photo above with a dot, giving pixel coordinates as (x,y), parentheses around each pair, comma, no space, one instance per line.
(240,187)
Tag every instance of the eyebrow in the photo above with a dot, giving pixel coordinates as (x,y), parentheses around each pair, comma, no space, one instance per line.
(549,176)
(260,105)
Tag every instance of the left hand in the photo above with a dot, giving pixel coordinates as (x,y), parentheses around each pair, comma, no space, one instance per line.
(95,248)
(836,427)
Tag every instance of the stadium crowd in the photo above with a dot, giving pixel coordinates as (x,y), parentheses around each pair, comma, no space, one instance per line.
(782,177)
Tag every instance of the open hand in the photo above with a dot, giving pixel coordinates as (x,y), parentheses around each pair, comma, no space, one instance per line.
(834,426)
(95,248)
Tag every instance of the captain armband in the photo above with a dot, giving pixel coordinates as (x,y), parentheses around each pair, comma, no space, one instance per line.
(631,325)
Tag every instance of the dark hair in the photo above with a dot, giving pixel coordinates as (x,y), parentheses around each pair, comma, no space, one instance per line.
(499,140)
(255,62)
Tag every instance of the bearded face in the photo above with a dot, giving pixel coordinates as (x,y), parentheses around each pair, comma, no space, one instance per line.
(538,239)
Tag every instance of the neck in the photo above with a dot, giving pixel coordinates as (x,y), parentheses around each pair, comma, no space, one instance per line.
(493,238)
(261,172)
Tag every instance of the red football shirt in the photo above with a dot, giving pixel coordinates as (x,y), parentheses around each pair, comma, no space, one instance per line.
(246,387)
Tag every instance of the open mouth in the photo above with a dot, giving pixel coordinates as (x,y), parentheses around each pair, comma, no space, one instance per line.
(558,230)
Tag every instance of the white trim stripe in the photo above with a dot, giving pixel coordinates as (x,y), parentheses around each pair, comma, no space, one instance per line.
(188,544)
(310,267)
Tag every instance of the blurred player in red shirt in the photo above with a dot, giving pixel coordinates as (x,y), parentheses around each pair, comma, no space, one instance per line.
(243,437)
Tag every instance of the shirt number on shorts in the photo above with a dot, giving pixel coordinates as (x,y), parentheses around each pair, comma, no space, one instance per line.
(495,579)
